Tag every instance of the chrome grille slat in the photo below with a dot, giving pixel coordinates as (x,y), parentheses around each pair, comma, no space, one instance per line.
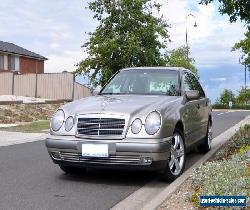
(113,159)
(103,129)
(100,126)
(70,153)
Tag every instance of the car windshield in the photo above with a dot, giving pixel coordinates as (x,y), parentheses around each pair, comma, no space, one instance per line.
(144,82)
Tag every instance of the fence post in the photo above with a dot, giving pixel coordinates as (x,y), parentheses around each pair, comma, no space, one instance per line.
(36,87)
(73,90)
(13,83)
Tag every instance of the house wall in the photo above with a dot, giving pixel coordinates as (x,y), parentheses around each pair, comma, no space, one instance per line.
(27,65)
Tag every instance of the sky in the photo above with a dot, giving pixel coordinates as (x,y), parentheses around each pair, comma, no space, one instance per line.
(57,29)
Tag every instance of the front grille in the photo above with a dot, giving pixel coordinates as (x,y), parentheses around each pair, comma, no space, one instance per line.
(112,159)
(100,126)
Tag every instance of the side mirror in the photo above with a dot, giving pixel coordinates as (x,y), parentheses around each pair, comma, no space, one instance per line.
(192,94)
(97,90)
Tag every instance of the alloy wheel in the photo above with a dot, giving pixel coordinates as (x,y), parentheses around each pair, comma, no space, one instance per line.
(209,136)
(176,161)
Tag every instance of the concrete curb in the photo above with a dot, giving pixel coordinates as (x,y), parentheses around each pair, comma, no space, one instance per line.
(12,138)
(7,125)
(226,110)
(153,194)
(11,102)
(57,101)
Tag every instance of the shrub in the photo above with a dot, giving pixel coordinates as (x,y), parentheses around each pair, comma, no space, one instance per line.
(225,177)
(228,173)
(235,144)
(235,106)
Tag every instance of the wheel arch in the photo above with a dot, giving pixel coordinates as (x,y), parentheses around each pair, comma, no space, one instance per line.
(210,119)
(180,126)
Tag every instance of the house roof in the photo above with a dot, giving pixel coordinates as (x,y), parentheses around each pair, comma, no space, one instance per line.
(12,48)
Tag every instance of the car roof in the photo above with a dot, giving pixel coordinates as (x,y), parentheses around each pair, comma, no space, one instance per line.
(181,69)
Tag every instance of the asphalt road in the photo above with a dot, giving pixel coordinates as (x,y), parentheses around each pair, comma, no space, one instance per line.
(29,179)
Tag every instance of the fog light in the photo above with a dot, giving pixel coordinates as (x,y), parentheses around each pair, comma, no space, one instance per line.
(56,155)
(147,160)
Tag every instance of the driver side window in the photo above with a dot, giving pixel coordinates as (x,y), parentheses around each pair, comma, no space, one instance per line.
(192,83)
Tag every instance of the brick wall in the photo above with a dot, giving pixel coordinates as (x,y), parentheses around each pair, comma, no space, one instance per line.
(27,65)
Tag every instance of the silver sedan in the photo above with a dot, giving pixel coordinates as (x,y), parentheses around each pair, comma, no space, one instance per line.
(143,118)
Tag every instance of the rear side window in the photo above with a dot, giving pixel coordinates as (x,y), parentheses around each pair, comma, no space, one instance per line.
(192,83)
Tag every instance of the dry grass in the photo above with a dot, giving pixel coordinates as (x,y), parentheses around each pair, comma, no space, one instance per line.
(26,112)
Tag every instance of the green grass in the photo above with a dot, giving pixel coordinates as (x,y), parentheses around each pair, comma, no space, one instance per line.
(34,127)
(235,106)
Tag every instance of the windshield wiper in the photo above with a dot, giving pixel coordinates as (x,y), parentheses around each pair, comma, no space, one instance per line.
(112,93)
(106,93)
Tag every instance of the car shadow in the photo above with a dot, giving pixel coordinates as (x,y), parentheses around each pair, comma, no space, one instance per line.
(110,177)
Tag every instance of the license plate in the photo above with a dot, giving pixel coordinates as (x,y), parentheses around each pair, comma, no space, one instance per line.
(95,150)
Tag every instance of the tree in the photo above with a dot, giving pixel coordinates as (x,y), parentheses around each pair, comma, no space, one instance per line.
(226,96)
(179,58)
(243,97)
(128,35)
(236,9)
(239,9)
(244,47)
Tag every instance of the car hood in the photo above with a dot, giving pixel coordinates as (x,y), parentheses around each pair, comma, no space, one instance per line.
(122,104)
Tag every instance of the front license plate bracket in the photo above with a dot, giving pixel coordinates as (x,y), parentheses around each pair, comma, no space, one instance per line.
(95,150)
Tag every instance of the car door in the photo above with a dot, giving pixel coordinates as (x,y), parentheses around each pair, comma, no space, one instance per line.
(204,111)
(192,115)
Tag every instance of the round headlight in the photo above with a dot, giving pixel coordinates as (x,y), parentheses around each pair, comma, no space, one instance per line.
(136,126)
(69,123)
(57,120)
(153,123)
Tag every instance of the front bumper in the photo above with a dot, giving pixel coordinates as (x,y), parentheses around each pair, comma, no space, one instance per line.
(149,154)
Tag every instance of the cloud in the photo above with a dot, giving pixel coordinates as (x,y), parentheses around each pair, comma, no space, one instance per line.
(211,42)
(207,66)
(54,29)
(65,61)
(216,80)
(220,79)
(214,90)
(57,29)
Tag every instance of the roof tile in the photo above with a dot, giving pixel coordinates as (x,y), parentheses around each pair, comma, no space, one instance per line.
(12,48)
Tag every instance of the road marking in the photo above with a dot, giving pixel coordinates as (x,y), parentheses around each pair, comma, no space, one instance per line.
(230,111)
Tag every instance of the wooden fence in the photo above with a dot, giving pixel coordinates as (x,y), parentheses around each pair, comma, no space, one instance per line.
(61,86)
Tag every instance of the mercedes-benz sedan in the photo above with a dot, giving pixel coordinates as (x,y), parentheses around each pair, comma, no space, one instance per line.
(143,118)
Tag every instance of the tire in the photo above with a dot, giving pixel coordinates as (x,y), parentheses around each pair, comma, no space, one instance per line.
(177,160)
(206,145)
(70,169)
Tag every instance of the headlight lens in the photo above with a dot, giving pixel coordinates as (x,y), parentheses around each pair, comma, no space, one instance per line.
(69,123)
(136,126)
(57,120)
(153,123)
